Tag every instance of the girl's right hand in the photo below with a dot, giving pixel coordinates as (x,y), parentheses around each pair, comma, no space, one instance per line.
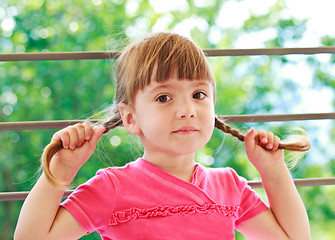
(79,142)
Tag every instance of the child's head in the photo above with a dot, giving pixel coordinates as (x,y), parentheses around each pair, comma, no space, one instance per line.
(168,65)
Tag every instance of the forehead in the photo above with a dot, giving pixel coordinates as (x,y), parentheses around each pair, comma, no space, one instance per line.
(174,83)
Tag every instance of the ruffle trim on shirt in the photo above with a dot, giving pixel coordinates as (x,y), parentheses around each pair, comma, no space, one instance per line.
(135,213)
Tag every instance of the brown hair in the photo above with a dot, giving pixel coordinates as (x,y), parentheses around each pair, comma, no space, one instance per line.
(156,57)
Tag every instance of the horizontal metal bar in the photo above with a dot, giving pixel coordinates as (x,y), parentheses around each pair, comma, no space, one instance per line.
(306,182)
(25,125)
(17,196)
(45,56)
(268,51)
(31,125)
(276,117)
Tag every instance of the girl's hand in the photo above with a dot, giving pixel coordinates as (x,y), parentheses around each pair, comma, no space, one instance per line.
(79,142)
(262,150)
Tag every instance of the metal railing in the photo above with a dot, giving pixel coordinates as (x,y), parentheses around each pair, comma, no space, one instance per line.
(24,125)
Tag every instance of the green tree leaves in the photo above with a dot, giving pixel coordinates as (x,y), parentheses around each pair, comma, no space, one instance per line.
(55,90)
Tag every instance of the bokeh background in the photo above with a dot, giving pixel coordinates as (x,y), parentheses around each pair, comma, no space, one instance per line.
(57,90)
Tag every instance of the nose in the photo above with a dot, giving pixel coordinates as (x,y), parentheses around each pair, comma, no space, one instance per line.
(186,109)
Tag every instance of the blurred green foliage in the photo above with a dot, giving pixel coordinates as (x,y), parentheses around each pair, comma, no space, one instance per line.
(56,90)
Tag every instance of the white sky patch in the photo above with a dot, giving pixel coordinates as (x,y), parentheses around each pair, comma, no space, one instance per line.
(162,22)
(73,27)
(138,28)
(298,72)
(255,39)
(131,7)
(233,14)
(184,28)
(167,6)
(8,24)
(2,12)
(214,34)
(259,7)
(320,15)
(320,12)
(323,58)
(313,100)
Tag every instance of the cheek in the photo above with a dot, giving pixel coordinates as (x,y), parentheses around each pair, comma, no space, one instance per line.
(210,109)
(208,128)
(208,117)
(150,121)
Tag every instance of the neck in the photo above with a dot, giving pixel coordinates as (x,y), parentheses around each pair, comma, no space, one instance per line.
(179,166)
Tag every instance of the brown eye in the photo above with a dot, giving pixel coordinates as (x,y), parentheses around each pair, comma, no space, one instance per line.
(199,95)
(163,98)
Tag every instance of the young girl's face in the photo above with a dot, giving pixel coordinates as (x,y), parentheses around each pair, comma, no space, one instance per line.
(175,117)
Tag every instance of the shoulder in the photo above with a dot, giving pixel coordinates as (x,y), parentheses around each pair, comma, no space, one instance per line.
(224,185)
(226,179)
(226,173)
(105,176)
(104,183)
(117,174)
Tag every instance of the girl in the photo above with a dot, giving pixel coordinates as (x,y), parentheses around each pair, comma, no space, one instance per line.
(165,94)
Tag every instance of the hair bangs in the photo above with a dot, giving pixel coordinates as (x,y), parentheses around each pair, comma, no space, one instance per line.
(156,58)
(181,55)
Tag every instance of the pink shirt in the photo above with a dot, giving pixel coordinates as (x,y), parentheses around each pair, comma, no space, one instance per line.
(141,201)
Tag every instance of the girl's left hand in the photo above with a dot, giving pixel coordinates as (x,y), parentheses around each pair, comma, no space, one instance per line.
(262,150)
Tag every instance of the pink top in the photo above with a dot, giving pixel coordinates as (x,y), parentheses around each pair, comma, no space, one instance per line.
(141,201)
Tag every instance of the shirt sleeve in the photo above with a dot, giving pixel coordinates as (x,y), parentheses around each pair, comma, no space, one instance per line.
(92,202)
(250,203)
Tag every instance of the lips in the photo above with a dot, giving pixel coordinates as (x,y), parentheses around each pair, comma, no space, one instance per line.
(185,130)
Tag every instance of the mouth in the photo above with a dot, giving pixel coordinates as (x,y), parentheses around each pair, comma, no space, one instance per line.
(186,130)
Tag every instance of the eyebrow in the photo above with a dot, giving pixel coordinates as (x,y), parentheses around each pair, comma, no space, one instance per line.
(163,86)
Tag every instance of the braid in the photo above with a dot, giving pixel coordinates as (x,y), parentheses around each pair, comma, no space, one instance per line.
(299,143)
(227,129)
(51,149)
(113,122)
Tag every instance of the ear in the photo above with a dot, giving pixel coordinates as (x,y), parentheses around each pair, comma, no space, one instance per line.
(129,119)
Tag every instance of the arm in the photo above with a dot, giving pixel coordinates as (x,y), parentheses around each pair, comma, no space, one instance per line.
(287,217)
(41,216)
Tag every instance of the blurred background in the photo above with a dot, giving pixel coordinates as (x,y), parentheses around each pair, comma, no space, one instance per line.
(67,90)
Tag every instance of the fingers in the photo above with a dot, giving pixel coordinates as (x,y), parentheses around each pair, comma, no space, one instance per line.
(76,135)
(264,139)
(97,133)
(88,130)
(250,139)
